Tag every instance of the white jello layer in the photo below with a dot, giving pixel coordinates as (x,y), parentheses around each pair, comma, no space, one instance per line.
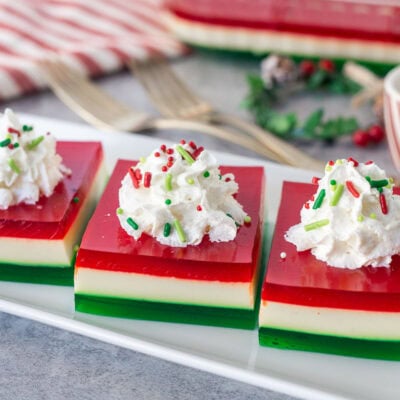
(136,286)
(330,321)
(59,252)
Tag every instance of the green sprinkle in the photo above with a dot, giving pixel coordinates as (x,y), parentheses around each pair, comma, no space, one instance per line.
(75,199)
(368,178)
(132,223)
(328,168)
(179,231)
(120,211)
(168,182)
(319,199)
(27,128)
(168,202)
(206,174)
(391,180)
(16,145)
(372,215)
(167,229)
(5,143)
(230,216)
(378,184)
(13,165)
(332,182)
(379,189)
(360,218)
(339,162)
(190,181)
(337,194)
(35,142)
(185,154)
(142,160)
(316,225)
(220,176)
(247,219)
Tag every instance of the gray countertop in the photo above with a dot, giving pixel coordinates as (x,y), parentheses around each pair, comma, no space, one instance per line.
(42,362)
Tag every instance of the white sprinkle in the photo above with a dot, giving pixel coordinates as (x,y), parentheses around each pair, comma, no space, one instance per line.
(283,255)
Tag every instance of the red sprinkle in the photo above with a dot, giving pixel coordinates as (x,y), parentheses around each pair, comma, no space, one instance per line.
(315,180)
(199,208)
(331,162)
(134,179)
(170,158)
(10,146)
(227,179)
(192,145)
(170,164)
(382,200)
(163,147)
(156,154)
(352,189)
(147,179)
(183,141)
(307,205)
(12,130)
(170,151)
(312,198)
(138,174)
(164,168)
(369,162)
(355,162)
(197,152)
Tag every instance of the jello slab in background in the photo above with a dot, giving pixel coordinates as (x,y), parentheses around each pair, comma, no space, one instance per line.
(349,29)
(211,283)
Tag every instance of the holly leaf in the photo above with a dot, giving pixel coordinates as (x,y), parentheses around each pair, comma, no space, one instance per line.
(313,120)
(317,79)
(281,124)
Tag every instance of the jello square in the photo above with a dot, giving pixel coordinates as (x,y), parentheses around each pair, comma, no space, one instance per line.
(212,283)
(38,242)
(307,305)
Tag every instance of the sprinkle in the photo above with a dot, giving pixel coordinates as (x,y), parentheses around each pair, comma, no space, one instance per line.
(170,158)
(333,185)
(132,223)
(120,211)
(319,200)
(360,218)
(382,201)
(147,179)
(170,151)
(307,205)
(190,181)
(197,152)
(16,145)
(142,160)
(134,179)
(10,146)
(355,162)
(163,148)
(75,199)
(206,174)
(167,229)
(168,182)
(328,168)
(27,128)
(170,164)
(35,142)
(283,255)
(372,215)
(331,163)
(168,202)
(199,208)
(391,180)
(352,189)
(157,154)
(316,224)
(380,190)
(192,145)
(138,174)
(5,143)
(378,183)
(247,219)
(185,154)
(337,194)
(315,180)
(369,162)
(13,165)
(12,130)
(228,179)
(339,161)
(183,141)
(179,231)
(164,168)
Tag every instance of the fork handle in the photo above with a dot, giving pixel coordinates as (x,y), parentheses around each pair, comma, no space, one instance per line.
(202,127)
(283,151)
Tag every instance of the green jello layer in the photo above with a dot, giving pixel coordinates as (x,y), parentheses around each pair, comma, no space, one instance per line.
(167,312)
(62,276)
(365,348)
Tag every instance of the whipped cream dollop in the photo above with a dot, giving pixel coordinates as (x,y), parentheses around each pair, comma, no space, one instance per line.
(353,220)
(177,195)
(29,165)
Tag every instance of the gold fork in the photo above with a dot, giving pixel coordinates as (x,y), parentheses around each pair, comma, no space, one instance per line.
(105,112)
(174,99)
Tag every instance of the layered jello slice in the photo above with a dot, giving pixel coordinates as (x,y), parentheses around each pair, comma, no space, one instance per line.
(307,304)
(211,283)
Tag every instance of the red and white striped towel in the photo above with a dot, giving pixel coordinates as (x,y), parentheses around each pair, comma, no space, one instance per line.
(94,36)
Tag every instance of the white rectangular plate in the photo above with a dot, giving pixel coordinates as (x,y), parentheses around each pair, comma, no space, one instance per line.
(233,353)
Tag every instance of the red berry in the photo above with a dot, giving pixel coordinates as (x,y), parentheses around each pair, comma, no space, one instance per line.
(326,65)
(360,138)
(307,68)
(376,133)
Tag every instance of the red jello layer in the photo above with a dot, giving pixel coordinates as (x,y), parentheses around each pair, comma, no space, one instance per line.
(302,279)
(52,216)
(107,246)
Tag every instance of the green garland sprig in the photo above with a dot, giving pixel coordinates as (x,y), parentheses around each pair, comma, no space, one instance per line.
(261,99)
